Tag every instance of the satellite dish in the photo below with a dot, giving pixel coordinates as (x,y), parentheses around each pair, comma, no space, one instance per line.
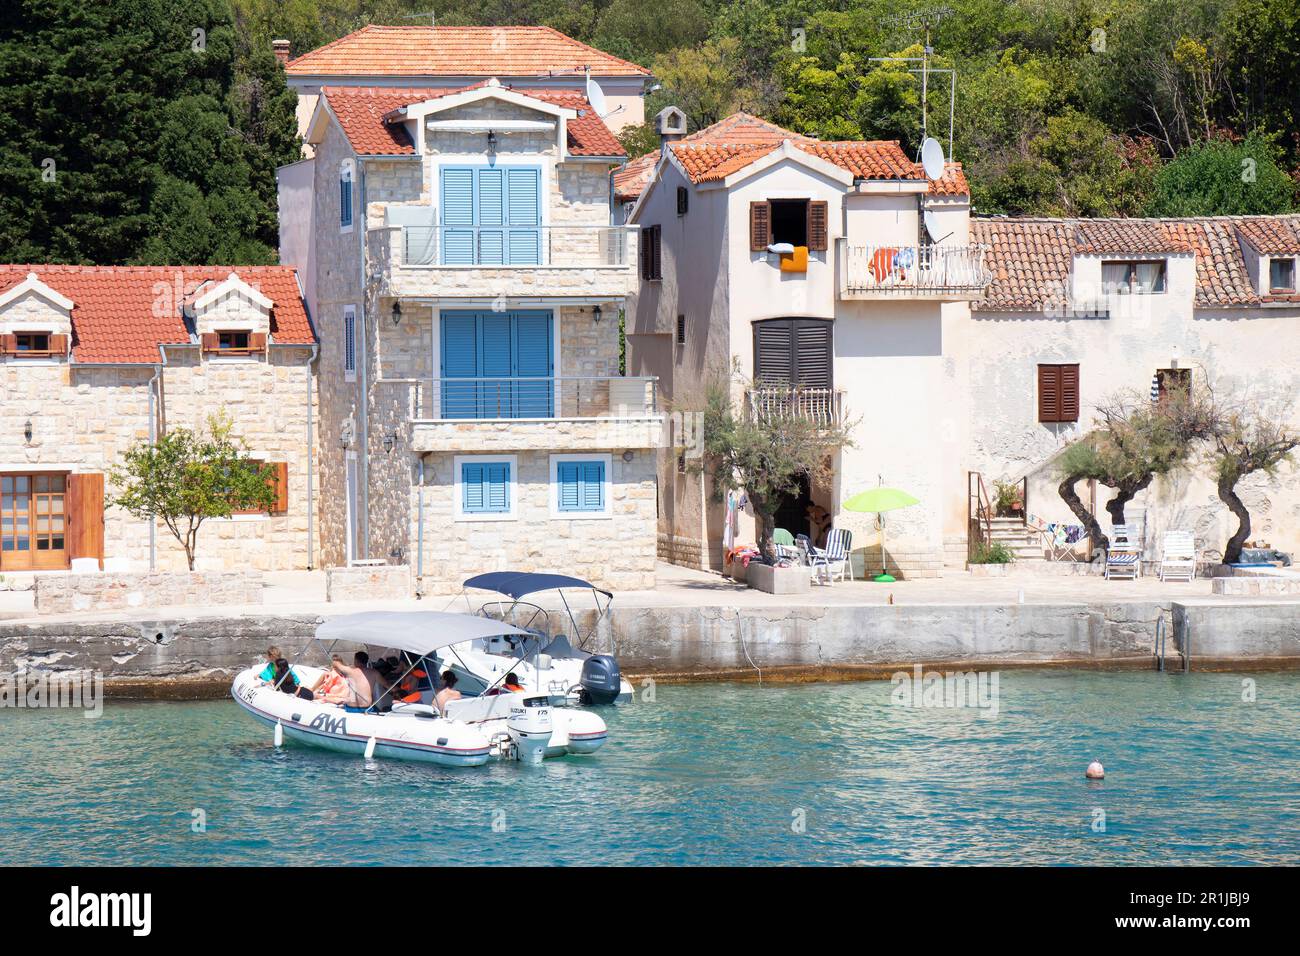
(596,96)
(932,227)
(932,160)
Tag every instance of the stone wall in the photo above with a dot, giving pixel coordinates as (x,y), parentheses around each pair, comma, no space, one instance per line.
(389,582)
(617,551)
(71,593)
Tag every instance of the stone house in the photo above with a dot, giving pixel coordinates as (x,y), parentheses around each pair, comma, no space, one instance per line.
(467,284)
(963,350)
(96,358)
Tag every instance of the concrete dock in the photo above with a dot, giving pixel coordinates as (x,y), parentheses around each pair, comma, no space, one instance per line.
(700,626)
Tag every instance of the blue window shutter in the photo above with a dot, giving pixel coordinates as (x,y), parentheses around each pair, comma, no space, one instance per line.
(566,477)
(459,360)
(345,201)
(496,361)
(593,486)
(457,211)
(524,209)
(471,486)
(491,211)
(580,485)
(497,487)
(533,360)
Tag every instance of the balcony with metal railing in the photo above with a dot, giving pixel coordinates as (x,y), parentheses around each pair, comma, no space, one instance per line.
(523,412)
(577,260)
(822,406)
(946,273)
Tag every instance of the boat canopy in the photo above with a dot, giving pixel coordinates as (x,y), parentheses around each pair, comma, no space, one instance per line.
(419,632)
(518,583)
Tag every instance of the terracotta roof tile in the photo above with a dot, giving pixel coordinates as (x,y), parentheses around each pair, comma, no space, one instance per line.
(1031,259)
(116,317)
(1127,236)
(733,143)
(361,110)
(415,50)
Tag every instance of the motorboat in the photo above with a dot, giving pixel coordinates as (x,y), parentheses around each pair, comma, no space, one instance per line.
(499,724)
(544,660)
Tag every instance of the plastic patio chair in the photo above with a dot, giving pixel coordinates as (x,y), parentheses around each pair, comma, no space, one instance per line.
(1123,557)
(783,543)
(1178,558)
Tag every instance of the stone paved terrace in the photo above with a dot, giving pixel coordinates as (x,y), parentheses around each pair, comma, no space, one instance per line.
(303,592)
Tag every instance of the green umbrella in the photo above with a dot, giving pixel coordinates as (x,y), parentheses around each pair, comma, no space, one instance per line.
(880,500)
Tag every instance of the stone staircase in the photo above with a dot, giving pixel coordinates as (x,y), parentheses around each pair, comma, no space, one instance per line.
(1025,544)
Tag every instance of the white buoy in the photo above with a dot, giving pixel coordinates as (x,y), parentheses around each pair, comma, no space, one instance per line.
(370,749)
(279,734)
(1095,771)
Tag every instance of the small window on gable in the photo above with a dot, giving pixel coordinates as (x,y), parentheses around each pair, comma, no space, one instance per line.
(1133,278)
(36,342)
(683,200)
(651,253)
(345,196)
(232,341)
(790,221)
(1281,275)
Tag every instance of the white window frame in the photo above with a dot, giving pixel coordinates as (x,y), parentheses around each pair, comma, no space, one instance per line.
(1269,288)
(554,492)
(349,343)
(347,174)
(512,493)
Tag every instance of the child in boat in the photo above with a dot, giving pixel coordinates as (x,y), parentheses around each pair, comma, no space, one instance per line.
(448,692)
(287,683)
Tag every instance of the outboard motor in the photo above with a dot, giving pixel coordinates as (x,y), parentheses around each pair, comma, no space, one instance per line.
(530,725)
(601,681)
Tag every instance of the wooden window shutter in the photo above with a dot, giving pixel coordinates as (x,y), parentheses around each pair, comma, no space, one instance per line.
(683,200)
(1049,393)
(813,353)
(655,262)
(85,514)
(257,342)
(1069,393)
(760,226)
(817,226)
(210,341)
(280,485)
(8,344)
(59,344)
(774,352)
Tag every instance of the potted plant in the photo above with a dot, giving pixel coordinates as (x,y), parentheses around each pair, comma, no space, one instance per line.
(1008,499)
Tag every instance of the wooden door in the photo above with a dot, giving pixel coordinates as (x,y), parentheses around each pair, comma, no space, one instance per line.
(33,522)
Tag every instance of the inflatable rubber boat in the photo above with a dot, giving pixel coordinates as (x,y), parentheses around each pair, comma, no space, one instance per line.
(523,726)
(541,659)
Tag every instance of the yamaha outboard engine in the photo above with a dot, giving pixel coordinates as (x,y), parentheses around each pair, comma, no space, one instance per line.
(601,681)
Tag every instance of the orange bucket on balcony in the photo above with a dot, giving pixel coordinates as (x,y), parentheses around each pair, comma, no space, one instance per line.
(796,261)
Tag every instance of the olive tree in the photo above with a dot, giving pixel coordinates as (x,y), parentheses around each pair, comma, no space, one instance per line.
(763,448)
(186,477)
(1247,440)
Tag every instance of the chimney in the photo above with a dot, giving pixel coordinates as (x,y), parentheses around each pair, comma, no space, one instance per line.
(670,124)
(281,48)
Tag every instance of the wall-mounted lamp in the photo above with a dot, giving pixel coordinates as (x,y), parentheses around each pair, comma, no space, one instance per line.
(629,455)
(397,313)
(345,435)
(27,431)
(492,141)
(595,313)
(389,441)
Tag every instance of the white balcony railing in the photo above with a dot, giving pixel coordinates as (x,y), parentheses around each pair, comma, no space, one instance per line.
(574,246)
(531,398)
(823,406)
(935,271)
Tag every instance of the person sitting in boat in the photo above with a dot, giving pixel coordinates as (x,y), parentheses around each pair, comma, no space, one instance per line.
(448,692)
(511,683)
(331,689)
(287,683)
(408,688)
(359,696)
(268,672)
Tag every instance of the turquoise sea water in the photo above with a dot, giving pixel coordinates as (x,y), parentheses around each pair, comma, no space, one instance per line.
(715,773)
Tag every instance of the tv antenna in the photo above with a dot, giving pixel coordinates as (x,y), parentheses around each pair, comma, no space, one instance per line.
(431,14)
(925,20)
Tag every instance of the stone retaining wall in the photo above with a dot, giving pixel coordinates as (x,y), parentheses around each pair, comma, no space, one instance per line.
(388,582)
(71,593)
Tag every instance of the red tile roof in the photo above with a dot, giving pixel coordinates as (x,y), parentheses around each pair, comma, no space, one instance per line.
(361,110)
(731,144)
(1032,259)
(121,314)
(414,50)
